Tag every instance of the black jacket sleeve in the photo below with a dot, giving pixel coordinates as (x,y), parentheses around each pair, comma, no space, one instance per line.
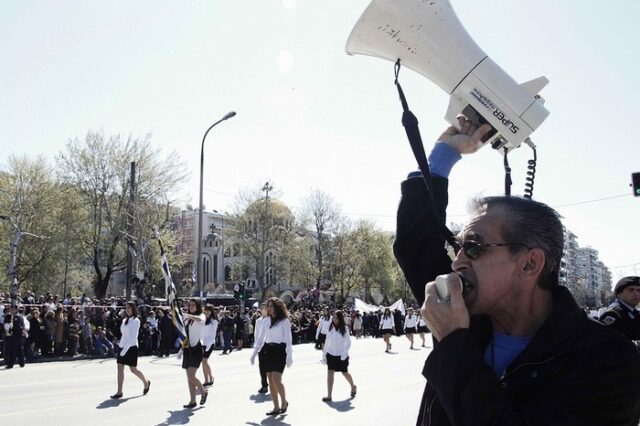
(419,246)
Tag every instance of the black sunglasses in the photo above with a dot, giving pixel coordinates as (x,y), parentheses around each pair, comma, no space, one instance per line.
(474,250)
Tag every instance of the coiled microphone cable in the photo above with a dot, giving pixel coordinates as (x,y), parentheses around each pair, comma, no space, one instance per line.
(531,171)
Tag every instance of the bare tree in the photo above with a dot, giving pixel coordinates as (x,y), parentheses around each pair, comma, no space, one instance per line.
(320,213)
(262,227)
(98,168)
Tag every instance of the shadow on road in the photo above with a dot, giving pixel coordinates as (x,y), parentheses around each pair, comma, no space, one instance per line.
(272,421)
(261,397)
(342,406)
(111,403)
(179,417)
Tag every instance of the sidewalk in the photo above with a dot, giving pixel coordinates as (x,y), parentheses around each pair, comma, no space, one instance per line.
(42,359)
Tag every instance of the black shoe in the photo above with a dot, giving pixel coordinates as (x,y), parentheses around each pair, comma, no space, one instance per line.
(116,396)
(146,389)
(326,399)
(273,412)
(263,389)
(224,352)
(353,392)
(190,405)
(284,409)
(203,398)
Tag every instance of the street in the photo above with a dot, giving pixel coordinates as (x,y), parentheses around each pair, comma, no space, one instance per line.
(62,393)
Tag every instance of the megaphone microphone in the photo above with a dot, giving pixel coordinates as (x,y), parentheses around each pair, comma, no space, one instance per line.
(427,37)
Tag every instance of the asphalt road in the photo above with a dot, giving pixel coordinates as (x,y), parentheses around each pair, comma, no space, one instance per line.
(77,392)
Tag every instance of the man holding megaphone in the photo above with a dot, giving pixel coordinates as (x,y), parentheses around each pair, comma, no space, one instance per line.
(512,346)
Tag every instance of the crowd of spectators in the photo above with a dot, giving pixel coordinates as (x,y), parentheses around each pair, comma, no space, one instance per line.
(69,327)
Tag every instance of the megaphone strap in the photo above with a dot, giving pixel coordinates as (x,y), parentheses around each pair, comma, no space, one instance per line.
(507,174)
(410,123)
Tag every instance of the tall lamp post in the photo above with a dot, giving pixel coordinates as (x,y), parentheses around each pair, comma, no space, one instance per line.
(199,274)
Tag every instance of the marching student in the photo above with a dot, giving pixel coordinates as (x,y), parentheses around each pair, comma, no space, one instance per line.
(387,325)
(208,342)
(276,342)
(129,349)
(410,324)
(336,353)
(422,328)
(261,324)
(323,328)
(192,351)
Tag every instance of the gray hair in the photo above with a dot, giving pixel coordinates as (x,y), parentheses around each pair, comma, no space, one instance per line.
(532,224)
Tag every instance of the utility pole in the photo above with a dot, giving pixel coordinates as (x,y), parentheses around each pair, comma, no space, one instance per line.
(130,216)
(267,187)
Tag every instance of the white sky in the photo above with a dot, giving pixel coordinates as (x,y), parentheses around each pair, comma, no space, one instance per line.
(311,117)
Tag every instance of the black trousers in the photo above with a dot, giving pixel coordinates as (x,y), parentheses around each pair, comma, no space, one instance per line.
(15,350)
(263,374)
(165,344)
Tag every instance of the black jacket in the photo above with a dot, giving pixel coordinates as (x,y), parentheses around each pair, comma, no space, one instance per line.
(573,372)
(623,319)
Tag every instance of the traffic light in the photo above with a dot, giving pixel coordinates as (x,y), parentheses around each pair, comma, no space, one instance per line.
(241,291)
(635,182)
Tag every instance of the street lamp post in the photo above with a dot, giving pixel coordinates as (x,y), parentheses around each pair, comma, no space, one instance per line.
(199,274)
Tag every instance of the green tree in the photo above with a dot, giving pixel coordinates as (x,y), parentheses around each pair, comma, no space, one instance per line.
(28,195)
(363,260)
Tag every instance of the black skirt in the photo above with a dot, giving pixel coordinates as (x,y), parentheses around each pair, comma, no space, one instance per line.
(192,356)
(130,358)
(423,329)
(322,338)
(207,353)
(336,364)
(410,330)
(386,331)
(275,357)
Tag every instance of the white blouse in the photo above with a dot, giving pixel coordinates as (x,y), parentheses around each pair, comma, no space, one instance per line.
(129,334)
(387,322)
(337,344)
(209,333)
(422,322)
(259,331)
(194,329)
(410,321)
(153,322)
(323,327)
(279,333)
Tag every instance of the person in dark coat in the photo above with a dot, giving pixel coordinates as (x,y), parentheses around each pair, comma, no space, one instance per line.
(227,326)
(512,347)
(622,315)
(165,326)
(15,339)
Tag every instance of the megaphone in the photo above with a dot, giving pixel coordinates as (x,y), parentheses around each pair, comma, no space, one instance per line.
(428,37)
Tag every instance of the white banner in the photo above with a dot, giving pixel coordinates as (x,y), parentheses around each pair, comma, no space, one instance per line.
(361,306)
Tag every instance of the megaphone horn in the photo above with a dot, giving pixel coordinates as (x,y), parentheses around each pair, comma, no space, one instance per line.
(428,37)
